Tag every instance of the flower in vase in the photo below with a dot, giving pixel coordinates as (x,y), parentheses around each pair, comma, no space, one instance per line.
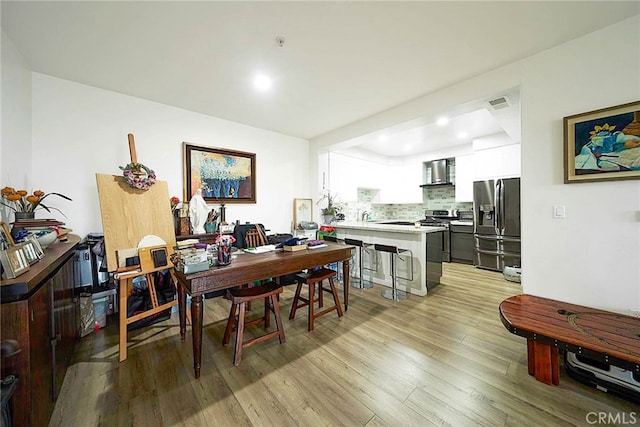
(225,239)
(174,203)
(22,201)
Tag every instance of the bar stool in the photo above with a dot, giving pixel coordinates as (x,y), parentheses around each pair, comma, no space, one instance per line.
(361,283)
(312,279)
(334,239)
(394,293)
(240,297)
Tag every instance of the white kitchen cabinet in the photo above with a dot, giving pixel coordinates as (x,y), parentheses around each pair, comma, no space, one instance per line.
(343,176)
(498,162)
(465,175)
(511,161)
(402,184)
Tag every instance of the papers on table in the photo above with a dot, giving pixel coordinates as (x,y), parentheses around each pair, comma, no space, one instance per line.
(260,249)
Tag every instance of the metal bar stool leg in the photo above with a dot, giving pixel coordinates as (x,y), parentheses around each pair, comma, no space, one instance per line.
(360,283)
(394,293)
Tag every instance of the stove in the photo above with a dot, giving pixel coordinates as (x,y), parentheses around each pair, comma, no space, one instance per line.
(441,218)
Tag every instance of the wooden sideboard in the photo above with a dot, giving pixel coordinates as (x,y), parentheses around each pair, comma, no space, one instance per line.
(40,311)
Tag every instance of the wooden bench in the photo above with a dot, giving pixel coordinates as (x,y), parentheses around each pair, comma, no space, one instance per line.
(550,325)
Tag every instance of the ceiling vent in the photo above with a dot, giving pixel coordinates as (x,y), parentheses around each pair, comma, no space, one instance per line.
(499,103)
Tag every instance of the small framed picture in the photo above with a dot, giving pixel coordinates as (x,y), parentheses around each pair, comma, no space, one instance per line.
(302,211)
(6,241)
(36,245)
(29,252)
(14,261)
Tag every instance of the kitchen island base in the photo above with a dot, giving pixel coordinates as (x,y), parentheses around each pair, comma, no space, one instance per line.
(425,244)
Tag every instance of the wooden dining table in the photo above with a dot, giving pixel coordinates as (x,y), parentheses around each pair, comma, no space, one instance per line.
(248,268)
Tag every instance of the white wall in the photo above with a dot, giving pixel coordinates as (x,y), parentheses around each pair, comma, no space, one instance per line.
(79,131)
(15,146)
(593,256)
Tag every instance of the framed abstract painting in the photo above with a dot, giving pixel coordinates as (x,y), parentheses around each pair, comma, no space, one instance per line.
(602,145)
(225,176)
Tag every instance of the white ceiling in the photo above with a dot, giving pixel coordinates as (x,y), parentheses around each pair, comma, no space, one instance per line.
(341,61)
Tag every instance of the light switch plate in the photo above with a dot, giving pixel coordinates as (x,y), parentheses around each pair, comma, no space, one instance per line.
(559,211)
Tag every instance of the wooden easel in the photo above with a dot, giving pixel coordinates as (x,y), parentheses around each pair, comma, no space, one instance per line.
(129,214)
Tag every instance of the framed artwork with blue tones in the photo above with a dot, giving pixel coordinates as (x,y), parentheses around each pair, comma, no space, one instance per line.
(225,176)
(603,145)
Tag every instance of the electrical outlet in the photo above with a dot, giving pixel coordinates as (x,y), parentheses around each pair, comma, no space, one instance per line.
(634,312)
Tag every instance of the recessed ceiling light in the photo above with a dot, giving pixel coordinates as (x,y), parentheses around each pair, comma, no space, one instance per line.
(262,82)
(407,147)
(383,137)
(442,121)
(462,134)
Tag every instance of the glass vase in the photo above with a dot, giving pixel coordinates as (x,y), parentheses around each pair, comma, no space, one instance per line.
(224,254)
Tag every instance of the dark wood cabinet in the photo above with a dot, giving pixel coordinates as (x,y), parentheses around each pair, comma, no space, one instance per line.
(462,244)
(39,310)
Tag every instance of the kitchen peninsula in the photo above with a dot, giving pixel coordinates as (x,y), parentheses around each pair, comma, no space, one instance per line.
(424,242)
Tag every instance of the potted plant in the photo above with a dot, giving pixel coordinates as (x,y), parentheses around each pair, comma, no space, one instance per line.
(329,212)
(24,204)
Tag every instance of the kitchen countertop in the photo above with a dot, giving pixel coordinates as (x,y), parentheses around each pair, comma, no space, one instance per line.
(377,226)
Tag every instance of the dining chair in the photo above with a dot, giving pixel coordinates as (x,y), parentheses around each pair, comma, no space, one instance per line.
(240,297)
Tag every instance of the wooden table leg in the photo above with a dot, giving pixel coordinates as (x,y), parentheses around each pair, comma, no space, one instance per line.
(182,310)
(543,362)
(196,332)
(346,273)
(123,288)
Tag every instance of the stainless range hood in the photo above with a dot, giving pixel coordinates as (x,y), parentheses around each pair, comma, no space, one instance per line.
(439,170)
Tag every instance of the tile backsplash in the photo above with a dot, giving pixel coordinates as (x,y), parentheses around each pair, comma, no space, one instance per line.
(434,198)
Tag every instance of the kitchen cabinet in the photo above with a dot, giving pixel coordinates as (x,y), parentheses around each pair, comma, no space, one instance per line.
(402,184)
(343,177)
(462,243)
(465,175)
(497,162)
(39,310)
(397,183)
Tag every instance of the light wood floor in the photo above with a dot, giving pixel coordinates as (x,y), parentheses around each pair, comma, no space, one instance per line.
(444,359)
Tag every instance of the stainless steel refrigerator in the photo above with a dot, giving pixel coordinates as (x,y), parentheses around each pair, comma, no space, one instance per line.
(496,219)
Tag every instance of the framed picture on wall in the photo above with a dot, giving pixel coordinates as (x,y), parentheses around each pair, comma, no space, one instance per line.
(602,145)
(302,211)
(225,176)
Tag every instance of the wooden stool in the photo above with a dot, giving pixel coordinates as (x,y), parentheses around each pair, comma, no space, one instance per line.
(313,278)
(239,297)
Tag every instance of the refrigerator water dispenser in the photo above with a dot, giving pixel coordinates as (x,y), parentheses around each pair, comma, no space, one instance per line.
(486,214)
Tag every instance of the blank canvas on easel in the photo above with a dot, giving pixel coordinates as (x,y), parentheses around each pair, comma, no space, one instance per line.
(129,214)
